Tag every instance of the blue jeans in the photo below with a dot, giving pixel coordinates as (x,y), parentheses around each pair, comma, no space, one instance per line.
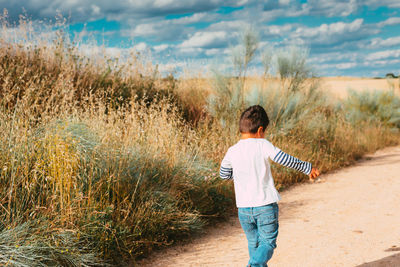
(260,224)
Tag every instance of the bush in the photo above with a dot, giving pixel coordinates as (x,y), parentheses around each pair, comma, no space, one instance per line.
(292,67)
(35,243)
(391,76)
(373,107)
(126,185)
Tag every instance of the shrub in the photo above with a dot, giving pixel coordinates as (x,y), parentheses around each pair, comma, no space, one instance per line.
(35,243)
(126,185)
(390,76)
(373,107)
(292,67)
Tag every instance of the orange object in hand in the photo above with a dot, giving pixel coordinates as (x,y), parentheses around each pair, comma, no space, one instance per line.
(314,174)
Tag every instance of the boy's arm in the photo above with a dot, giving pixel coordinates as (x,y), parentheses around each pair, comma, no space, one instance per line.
(292,162)
(226,171)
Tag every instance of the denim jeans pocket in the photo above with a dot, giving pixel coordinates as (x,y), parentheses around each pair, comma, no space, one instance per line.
(244,219)
(267,223)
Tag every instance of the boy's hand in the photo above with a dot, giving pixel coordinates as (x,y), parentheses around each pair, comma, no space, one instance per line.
(314,174)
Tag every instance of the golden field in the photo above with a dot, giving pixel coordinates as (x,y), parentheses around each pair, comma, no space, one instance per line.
(339,86)
(335,86)
(101,163)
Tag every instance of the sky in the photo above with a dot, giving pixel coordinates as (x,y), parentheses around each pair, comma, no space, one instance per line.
(344,38)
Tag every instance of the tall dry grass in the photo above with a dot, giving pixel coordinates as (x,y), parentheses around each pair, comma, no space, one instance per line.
(99,154)
(102,161)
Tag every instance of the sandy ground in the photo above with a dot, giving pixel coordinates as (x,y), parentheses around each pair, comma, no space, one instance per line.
(348,218)
(339,86)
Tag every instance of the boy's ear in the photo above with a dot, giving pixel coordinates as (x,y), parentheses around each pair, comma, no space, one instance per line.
(260,130)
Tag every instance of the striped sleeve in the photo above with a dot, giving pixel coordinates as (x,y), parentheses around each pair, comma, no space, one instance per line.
(226,170)
(292,162)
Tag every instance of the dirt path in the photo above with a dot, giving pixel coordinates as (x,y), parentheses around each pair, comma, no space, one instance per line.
(350,218)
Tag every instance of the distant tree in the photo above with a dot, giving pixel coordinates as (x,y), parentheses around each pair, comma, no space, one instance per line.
(390,76)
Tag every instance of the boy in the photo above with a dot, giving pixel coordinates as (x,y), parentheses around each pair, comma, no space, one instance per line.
(256,196)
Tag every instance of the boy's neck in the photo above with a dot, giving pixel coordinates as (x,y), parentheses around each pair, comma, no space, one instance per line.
(251,135)
(259,134)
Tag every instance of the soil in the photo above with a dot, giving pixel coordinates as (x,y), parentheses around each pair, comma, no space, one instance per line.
(347,218)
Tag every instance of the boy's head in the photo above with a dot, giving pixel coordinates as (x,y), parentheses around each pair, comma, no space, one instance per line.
(252,119)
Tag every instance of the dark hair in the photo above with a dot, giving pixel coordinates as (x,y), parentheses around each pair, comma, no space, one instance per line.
(253,118)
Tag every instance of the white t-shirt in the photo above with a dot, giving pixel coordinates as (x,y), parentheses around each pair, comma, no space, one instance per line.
(247,162)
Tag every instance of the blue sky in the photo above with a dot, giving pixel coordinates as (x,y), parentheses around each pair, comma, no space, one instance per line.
(347,38)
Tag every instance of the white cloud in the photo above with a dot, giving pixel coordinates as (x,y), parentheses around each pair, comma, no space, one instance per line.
(383,63)
(144,29)
(388,3)
(95,10)
(95,50)
(206,40)
(331,36)
(186,68)
(159,29)
(160,48)
(384,54)
(214,52)
(334,57)
(331,8)
(196,17)
(334,8)
(228,25)
(84,10)
(326,30)
(192,51)
(389,21)
(379,42)
(284,2)
(282,30)
(140,46)
(163,3)
(347,65)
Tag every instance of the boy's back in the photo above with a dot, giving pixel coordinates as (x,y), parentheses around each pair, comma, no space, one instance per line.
(249,160)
